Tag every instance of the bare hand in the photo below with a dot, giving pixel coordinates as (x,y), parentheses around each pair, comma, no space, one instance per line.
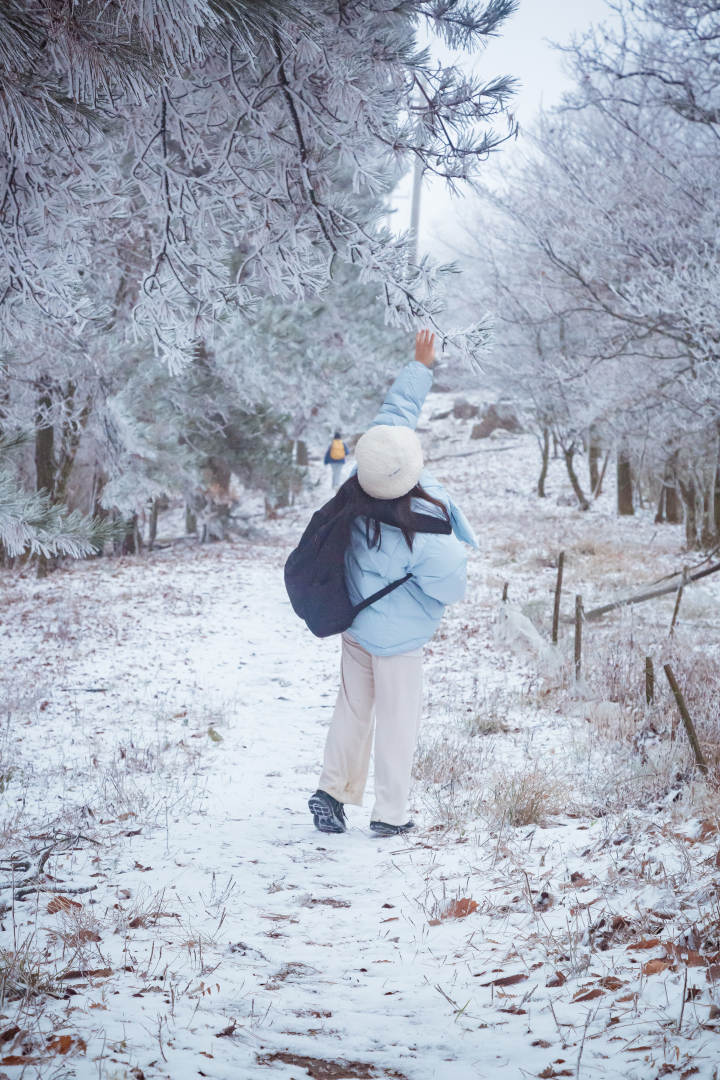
(425,348)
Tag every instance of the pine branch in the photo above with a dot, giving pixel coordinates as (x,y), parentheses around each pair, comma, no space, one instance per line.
(30,522)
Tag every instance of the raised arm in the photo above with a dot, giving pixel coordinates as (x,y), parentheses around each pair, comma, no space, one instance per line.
(404,400)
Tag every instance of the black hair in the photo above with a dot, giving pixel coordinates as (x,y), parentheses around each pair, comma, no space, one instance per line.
(337,435)
(396,512)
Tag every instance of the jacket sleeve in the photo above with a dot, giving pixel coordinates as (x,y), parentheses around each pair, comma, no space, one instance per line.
(406,397)
(326,460)
(441,569)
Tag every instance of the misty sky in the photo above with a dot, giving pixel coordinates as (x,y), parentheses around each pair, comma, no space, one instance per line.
(523,50)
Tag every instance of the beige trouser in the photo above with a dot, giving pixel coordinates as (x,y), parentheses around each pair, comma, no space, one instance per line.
(392,685)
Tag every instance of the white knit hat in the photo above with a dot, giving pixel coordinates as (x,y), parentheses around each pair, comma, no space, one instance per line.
(389,461)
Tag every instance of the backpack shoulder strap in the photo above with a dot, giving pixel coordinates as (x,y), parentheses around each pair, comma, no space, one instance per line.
(380,593)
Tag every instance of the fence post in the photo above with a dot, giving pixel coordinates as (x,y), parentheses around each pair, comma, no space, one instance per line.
(505,592)
(649,680)
(687,721)
(558,590)
(678,598)
(578,635)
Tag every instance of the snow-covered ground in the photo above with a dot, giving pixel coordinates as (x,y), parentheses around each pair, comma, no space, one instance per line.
(555,913)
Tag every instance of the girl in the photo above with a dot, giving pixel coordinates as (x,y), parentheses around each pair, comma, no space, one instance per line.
(381,667)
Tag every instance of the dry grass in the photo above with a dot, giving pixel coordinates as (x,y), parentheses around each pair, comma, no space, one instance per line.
(450,769)
(451,756)
(620,711)
(491,712)
(528,797)
(25,973)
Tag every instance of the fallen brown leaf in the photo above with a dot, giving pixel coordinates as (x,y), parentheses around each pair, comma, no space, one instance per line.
(459,909)
(320,1069)
(707,828)
(81,937)
(62,1044)
(61,903)
(506,980)
(611,982)
(646,943)
(654,967)
(588,995)
(327,901)
(89,973)
(691,957)
(227,1031)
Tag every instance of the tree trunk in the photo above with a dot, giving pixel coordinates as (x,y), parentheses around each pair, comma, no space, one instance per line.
(301,452)
(569,455)
(669,508)
(624,485)
(673,510)
(593,458)
(597,490)
(689,498)
(545,451)
(668,503)
(132,543)
(44,442)
(190,520)
(71,436)
(44,457)
(661,505)
(153,524)
(98,486)
(270,511)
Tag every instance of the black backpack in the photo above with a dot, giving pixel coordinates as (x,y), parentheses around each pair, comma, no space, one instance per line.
(315,570)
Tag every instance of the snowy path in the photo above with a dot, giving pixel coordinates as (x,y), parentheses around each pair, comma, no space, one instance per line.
(171,713)
(317,946)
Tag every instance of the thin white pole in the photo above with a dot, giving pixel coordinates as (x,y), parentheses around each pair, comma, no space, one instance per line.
(415,209)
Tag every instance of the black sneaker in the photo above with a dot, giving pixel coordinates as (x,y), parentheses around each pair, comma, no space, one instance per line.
(328,814)
(381,828)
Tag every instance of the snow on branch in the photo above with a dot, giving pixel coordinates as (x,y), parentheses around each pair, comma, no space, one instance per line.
(201,153)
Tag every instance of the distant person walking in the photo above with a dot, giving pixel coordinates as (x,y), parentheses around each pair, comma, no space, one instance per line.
(336,456)
(407,535)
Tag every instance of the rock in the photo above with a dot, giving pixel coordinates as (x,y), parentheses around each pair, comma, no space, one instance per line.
(496,417)
(441,415)
(463,410)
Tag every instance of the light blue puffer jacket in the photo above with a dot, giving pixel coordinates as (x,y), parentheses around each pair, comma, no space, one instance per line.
(408,616)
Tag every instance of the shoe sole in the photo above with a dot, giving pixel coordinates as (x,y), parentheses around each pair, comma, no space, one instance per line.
(323,816)
(390,831)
